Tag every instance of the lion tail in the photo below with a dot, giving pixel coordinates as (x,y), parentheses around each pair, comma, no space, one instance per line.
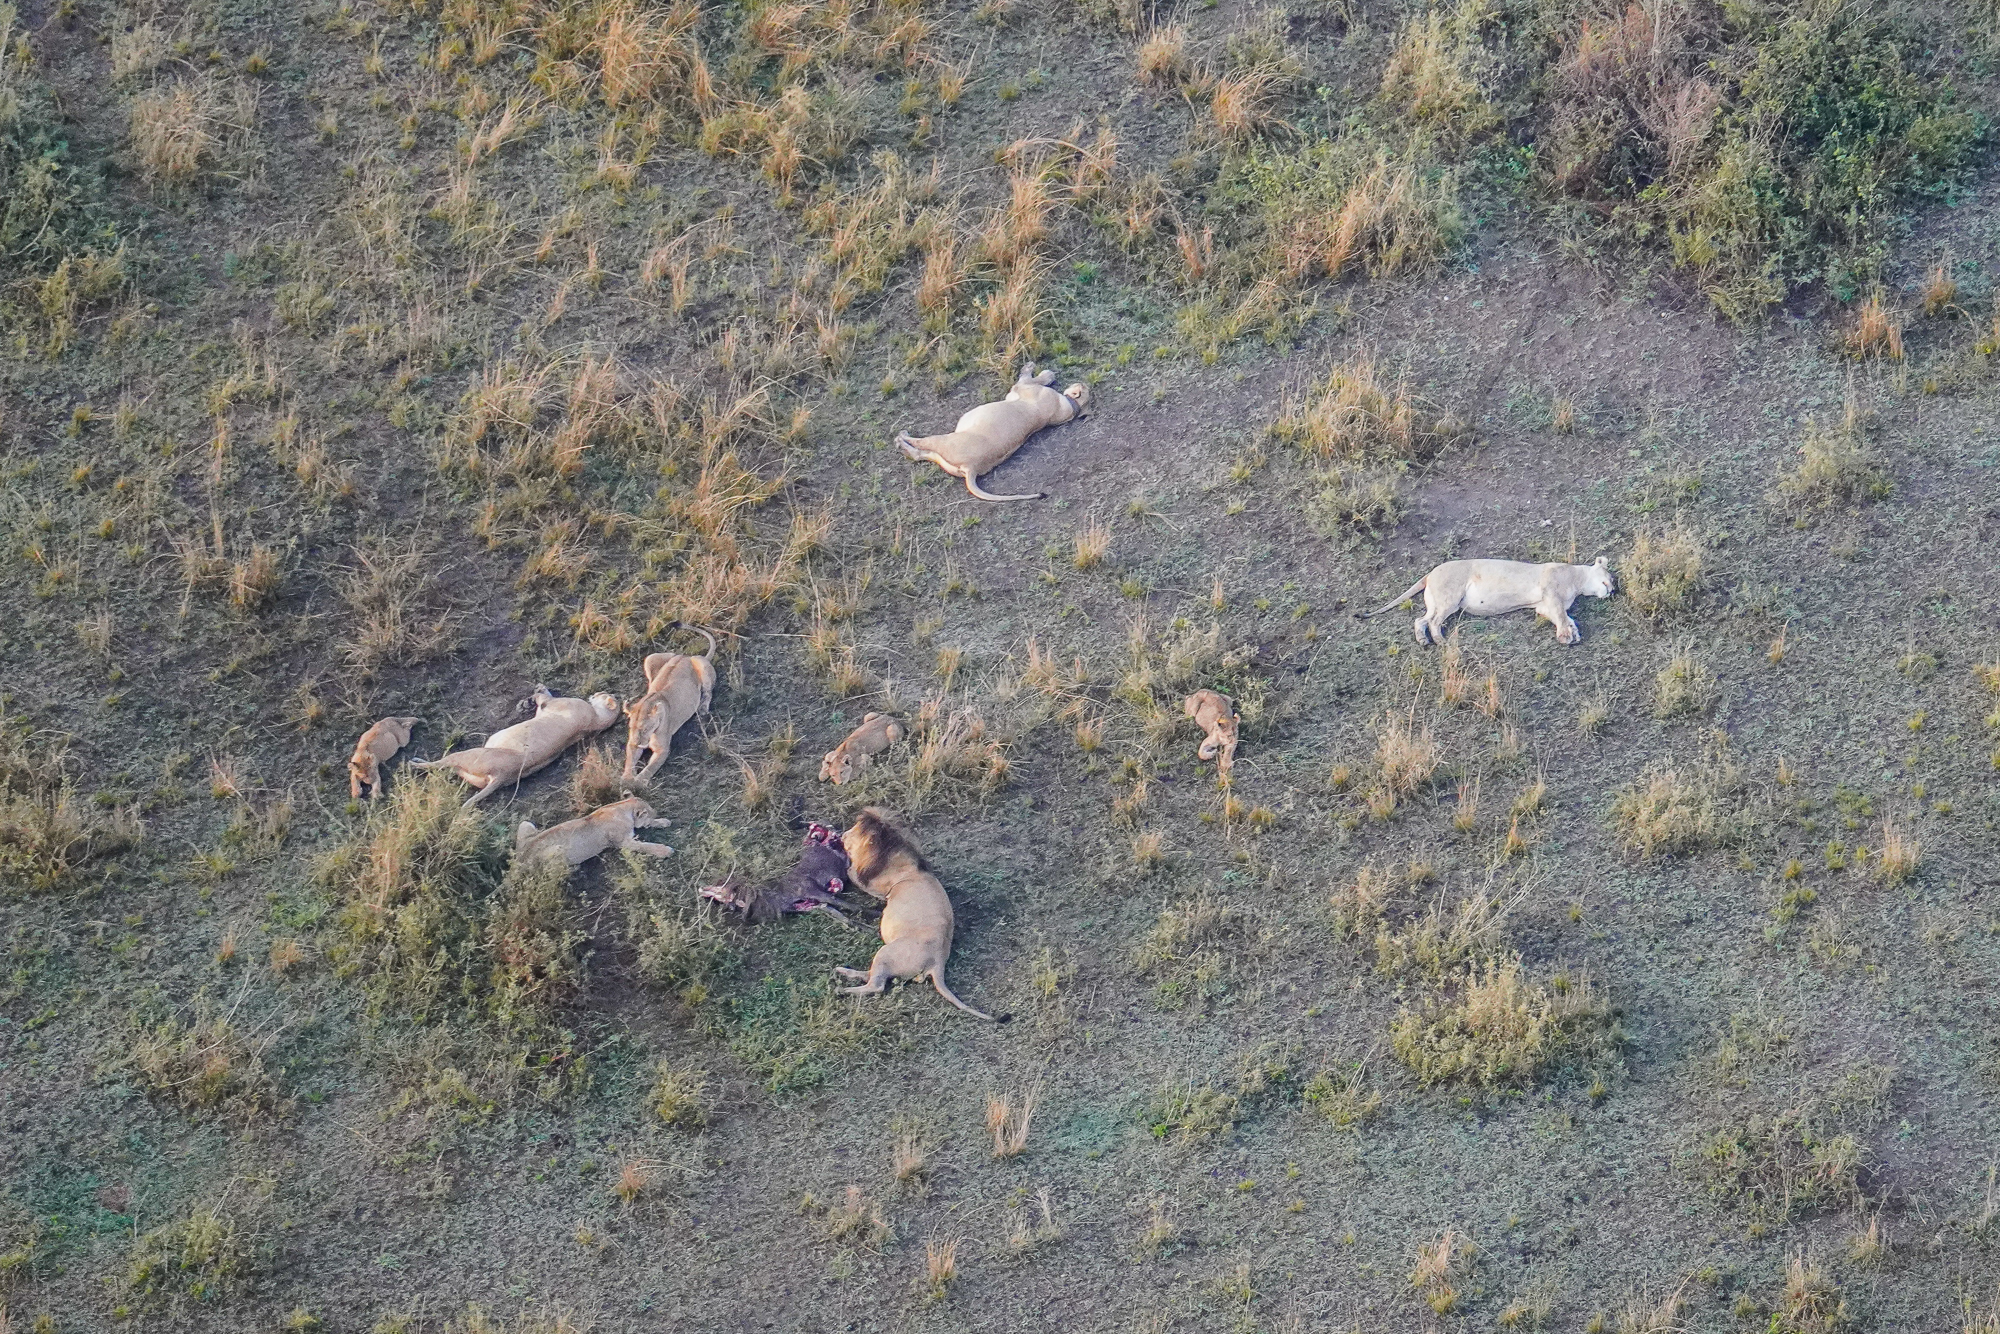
(1397,601)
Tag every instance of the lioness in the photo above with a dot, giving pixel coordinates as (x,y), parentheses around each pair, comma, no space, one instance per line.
(917,921)
(577,841)
(678,686)
(1496,587)
(512,753)
(1214,713)
(878,732)
(987,436)
(377,745)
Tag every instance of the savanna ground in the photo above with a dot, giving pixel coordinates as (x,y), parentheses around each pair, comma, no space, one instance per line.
(387,359)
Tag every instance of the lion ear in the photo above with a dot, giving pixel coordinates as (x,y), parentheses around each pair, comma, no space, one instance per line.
(1602,563)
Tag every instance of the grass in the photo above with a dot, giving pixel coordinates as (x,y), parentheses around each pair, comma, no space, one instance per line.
(1662,574)
(1685,687)
(1440,1267)
(1668,811)
(1493,1027)
(1836,467)
(1355,415)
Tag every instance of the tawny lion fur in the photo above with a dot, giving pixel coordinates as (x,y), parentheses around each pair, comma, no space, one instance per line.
(1215,714)
(376,746)
(577,841)
(917,921)
(878,732)
(678,686)
(987,436)
(1496,587)
(512,753)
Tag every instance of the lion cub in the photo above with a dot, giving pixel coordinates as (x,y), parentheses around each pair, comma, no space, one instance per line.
(376,746)
(917,921)
(878,732)
(1215,714)
(678,686)
(577,841)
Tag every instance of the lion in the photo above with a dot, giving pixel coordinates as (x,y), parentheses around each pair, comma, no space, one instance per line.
(917,921)
(577,841)
(678,686)
(1215,714)
(987,436)
(375,748)
(512,753)
(878,732)
(1496,587)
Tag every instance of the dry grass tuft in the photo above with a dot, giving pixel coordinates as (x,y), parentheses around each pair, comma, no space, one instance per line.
(1836,467)
(1162,57)
(680,1096)
(1669,812)
(1685,687)
(1355,416)
(1008,1122)
(399,609)
(1494,1028)
(1092,545)
(1662,573)
(1440,1267)
(1900,855)
(1877,331)
(175,132)
(1812,1303)
(1406,752)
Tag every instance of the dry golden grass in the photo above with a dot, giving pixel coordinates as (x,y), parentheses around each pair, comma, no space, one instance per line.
(680,1096)
(857,1219)
(1406,752)
(1243,104)
(1811,1303)
(940,1265)
(1662,573)
(1008,1121)
(1162,56)
(1440,1266)
(1877,330)
(1430,78)
(1940,291)
(174,132)
(1667,811)
(1092,545)
(1354,415)
(634,1179)
(1899,856)
(1685,687)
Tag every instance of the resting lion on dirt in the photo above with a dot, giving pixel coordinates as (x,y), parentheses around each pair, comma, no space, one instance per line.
(376,746)
(1214,713)
(1496,587)
(577,841)
(917,921)
(512,753)
(987,436)
(878,732)
(678,686)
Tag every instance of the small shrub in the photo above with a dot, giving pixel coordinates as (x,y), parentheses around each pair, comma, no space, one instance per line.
(208,1065)
(1493,1028)
(1663,572)
(1836,467)
(1355,416)
(680,1096)
(1667,811)
(1343,1099)
(1365,501)
(204,1255)
(1685,687)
